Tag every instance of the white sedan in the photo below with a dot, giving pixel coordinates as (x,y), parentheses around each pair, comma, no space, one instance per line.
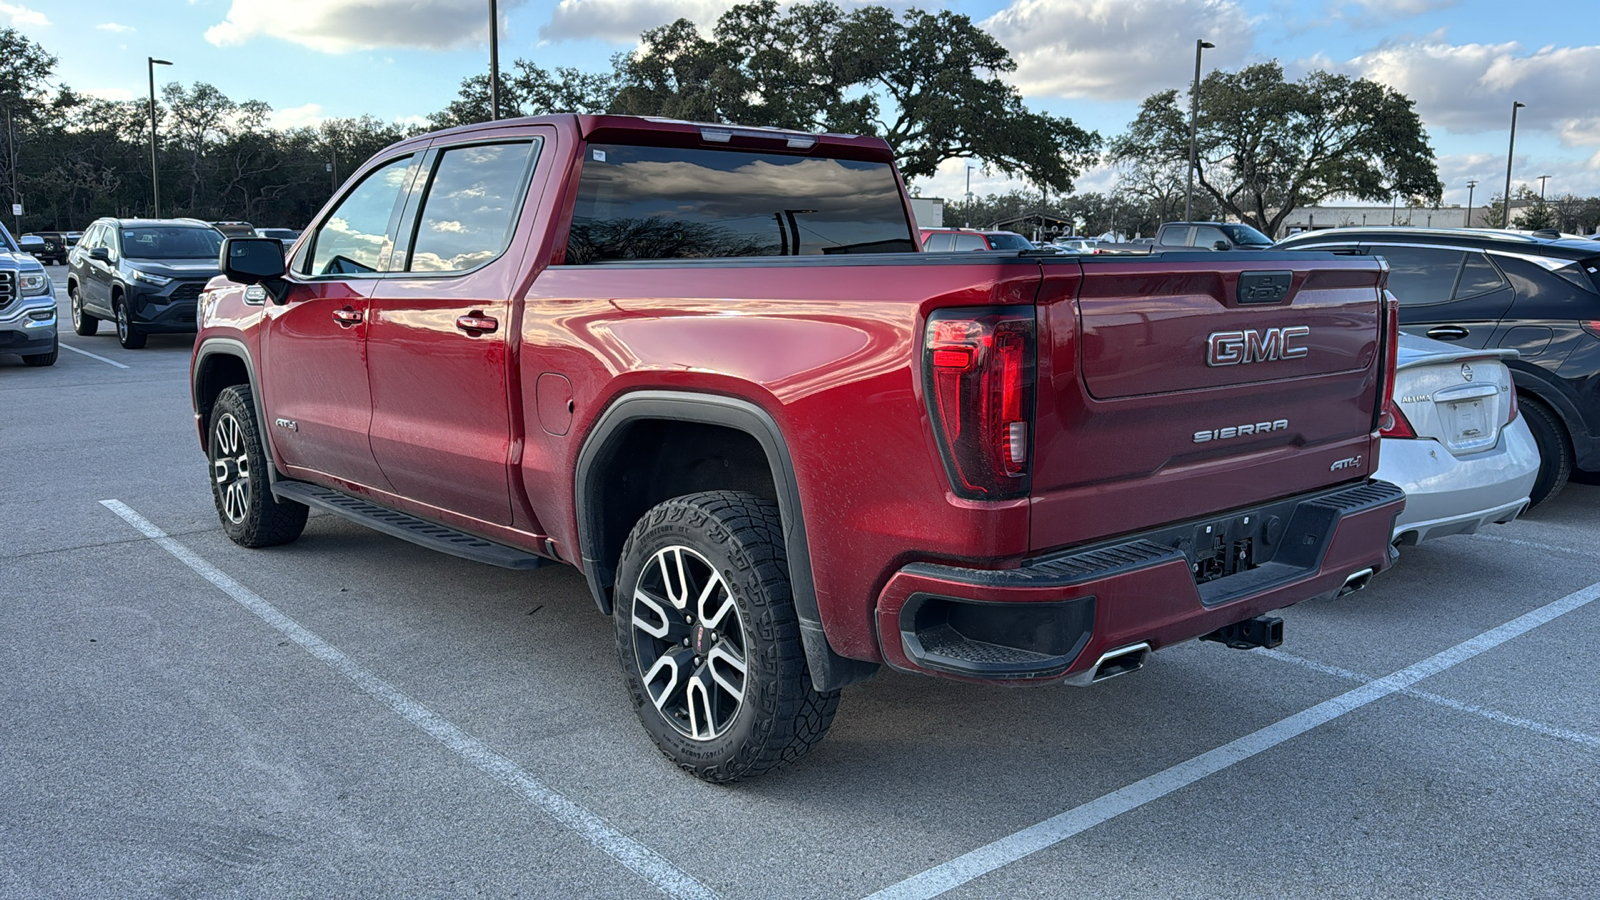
(1454,441)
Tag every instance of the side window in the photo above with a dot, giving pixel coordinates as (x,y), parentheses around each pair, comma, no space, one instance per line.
(354,239)
(471,206)
(1206,237)
(970,242)
(940,240)
(1421,275)
(1478,276)
(1176,237)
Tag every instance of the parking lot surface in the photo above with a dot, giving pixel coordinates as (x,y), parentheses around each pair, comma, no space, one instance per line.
(351,716)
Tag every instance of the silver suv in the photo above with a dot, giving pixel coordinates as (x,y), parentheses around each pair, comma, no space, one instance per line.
(27,306)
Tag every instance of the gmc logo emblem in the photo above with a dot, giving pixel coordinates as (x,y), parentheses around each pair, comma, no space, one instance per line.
(1232,348)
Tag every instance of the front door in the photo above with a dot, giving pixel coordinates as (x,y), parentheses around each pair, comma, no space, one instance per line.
(318,404)
(439,352)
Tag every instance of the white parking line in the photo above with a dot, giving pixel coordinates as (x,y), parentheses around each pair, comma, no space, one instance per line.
(1052,831)
(1566,734)
(1535,544)
(643,861)
(111,362)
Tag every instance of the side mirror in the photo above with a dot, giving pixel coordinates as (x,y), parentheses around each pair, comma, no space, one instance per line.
(254,260)
(100,254)
(1222,245)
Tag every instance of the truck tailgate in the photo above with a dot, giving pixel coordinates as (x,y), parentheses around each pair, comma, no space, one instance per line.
(1187,384)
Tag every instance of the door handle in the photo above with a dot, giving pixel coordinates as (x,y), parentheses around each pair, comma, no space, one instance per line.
(347,316)
(476,323)
(1447,333)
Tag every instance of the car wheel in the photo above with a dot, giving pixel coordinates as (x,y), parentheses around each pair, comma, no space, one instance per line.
(251,516)
(128,334)
(708,638)
(1555,448)
(83,324)
(45,359)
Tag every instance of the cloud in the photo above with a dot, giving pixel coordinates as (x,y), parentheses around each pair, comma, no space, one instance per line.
(1375,11)
(21,15)
(115,28)
(621,21)
(340,26)
(1468,88)
(1117,49)
(116,94)
(307,116)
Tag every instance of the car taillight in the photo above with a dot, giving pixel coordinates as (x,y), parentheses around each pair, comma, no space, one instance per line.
(978,371)
(1511,416)
(1393,422)
(1590,325)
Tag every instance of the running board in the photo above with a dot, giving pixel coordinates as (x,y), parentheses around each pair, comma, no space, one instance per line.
(407,527)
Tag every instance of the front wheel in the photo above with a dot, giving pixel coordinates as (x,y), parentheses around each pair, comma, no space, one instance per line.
(708,638)
(251,516)
(128,334)
(45,359)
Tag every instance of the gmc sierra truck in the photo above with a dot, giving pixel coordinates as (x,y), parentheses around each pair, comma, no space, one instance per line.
(709,366)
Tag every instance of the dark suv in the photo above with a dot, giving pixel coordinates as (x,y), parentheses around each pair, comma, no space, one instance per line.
(145,274)
(1489,289)
(56,246)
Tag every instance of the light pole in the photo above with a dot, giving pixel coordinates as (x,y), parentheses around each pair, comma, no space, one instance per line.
(1542,180)
(494,61)
(1511,154)
(969,196)
(1472,185)
(155,167)
(1194,114)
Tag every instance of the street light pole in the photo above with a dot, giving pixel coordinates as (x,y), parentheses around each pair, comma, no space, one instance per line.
(969,196)
(1510,155)
(1542,180)
(494,60)
(155,167)
(1471,186)
(1194,114)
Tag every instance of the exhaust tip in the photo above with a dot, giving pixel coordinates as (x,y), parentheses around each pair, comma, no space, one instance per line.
(1356,582)
(1120,662)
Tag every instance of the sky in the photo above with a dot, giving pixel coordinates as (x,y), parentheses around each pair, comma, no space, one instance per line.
(1463,62)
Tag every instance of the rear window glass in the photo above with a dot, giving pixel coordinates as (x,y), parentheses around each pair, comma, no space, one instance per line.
(1591,267)
(937,241)
(1010,242)
(970,242)
(1479,276)
(471,205)
(1421,275)
(684,203)
(1582,274)
(168,242)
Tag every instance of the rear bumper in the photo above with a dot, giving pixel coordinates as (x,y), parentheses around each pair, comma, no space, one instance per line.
(1448,495)
(1054,618)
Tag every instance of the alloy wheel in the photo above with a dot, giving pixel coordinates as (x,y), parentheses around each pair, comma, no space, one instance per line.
(230,466)
(689,641)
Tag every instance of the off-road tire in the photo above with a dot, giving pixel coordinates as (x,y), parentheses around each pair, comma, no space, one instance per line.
(128,334)
(47,358)
(83,324)
(251,516)
(739,537)
(1555,448)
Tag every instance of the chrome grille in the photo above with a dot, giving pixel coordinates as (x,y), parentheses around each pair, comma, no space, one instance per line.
(8,288)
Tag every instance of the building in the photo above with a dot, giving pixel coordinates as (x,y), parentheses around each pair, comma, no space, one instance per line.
(1311,218)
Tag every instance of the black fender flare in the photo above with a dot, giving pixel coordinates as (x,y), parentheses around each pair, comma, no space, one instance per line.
(829,670)
(223,346)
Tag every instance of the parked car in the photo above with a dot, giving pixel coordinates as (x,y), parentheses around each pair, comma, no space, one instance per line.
(1486,289)
(785,457)
(941,239)
(285,236)
(1210,236)
(53,246)
(1454,441)
(1076,245)
(143,274)
(27,305)
(235,228)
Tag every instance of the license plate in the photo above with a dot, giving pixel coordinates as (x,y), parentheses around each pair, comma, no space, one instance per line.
(1471,420)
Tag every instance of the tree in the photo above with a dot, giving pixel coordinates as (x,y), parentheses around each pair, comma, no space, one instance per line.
(1266,146)
(531,91)
(1537,215)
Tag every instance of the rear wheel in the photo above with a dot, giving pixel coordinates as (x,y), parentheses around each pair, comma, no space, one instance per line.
(128,334)
(83,324)
(709,641)
(45,359)
(1555,448)
(251,516)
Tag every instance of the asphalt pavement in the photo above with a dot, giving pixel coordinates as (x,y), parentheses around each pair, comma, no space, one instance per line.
(350,716)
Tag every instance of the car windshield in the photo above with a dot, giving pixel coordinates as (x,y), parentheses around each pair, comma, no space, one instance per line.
(170,242)
(1244,234)
(1004,241)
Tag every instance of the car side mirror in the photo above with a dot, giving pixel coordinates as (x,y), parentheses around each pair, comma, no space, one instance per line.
(1222,245)
(100,254)
(254,260)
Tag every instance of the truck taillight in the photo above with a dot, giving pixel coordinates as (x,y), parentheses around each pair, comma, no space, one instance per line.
(978,371)
(1387,411)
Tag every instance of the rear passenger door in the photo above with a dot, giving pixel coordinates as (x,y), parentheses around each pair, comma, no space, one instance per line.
(1446,293)
(441,323)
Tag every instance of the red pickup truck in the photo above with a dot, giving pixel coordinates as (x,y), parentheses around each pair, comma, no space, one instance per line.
(708,365)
